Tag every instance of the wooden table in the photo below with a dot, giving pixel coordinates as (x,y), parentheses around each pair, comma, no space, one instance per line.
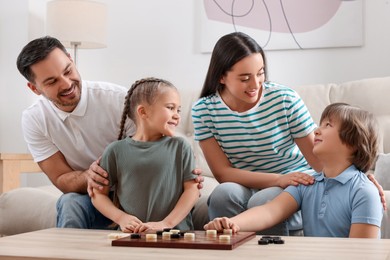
(94,244)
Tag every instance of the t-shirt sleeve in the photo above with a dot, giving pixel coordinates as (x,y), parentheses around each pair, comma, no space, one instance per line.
(109,163)
(188,161)
(296,192)
(201,121)
(38,140)
(367,207)
(300,121)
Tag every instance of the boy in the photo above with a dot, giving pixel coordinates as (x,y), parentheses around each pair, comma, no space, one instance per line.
(342,202)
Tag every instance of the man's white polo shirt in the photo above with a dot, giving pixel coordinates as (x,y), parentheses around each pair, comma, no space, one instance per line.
(81,135)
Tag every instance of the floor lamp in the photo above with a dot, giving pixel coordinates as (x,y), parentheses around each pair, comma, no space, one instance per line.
(78,24)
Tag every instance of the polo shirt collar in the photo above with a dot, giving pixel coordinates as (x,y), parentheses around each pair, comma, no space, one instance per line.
(343,178)
(80,109)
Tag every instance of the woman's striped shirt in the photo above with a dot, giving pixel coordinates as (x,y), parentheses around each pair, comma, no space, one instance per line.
(262,138)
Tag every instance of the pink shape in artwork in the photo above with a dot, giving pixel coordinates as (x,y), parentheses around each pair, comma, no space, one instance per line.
(272,15)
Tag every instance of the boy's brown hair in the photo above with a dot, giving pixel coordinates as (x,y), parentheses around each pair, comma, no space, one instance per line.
(358,130)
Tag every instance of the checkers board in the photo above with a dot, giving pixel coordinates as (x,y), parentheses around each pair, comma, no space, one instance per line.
(201,241)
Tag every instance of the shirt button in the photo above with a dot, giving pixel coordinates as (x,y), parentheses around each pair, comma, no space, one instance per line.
(323,205)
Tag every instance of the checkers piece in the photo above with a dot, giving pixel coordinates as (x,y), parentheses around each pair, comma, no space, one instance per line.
(166,235)
(175,236)
(211,233)
(224,238)
(151,237)
(189,236)
(263,241)
(135,236)
(175,231)
(228,232)
(279,241)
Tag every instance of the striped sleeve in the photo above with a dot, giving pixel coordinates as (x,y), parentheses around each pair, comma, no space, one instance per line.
(201,120)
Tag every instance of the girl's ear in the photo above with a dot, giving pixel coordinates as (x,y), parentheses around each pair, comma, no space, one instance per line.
(141,111)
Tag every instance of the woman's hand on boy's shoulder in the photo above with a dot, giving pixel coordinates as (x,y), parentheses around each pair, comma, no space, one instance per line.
(295,178)
(371,177)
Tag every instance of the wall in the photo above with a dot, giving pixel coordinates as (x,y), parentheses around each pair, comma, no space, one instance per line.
(160,38)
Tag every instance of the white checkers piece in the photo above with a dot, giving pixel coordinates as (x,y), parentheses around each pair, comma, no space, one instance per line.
(189,236)
(175,231)
(151,237)
(166,235)
(113,236)
(211,233)
(224,238)
(227,232)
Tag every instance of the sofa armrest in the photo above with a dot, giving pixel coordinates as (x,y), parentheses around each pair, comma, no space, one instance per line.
(28,209)
(11,166)
(385,228)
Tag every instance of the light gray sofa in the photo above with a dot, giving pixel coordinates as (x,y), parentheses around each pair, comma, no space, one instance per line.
(28,209)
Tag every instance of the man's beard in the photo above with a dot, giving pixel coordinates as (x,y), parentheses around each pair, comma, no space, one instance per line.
(73,103)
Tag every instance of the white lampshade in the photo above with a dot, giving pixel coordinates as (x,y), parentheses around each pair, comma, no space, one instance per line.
(77,23)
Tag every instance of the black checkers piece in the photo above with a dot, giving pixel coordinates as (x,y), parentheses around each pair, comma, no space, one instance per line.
(279,242)
(135,236)
(265,240)
(159,232)
(167,229)
(175,235)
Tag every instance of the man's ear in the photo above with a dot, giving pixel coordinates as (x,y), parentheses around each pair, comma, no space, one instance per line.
(70,57)
(33,88)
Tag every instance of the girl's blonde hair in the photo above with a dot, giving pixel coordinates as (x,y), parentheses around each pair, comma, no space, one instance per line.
(143,90)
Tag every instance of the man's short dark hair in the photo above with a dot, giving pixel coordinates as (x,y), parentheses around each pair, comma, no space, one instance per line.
(36,51)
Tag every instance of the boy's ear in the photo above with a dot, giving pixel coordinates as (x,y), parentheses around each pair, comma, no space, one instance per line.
(33,88)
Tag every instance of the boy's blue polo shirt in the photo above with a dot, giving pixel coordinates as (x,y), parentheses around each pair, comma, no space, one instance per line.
(331,205)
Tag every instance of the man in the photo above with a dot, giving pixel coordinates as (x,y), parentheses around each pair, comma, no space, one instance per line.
(68,128)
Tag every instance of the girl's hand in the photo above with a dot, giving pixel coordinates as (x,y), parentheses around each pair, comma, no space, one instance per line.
(129,223)
(220,224)
(160,225)
(295,178)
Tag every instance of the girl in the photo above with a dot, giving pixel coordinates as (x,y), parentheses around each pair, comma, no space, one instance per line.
(342,202)
(151,170)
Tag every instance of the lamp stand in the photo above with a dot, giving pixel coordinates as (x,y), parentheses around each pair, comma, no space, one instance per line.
(75,46)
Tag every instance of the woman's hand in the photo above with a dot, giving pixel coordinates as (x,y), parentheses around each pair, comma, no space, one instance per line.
(380,189)
(295,178)
(199,178)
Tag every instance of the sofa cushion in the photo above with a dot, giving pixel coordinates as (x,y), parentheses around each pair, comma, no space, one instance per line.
(39,204)
(382,170)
